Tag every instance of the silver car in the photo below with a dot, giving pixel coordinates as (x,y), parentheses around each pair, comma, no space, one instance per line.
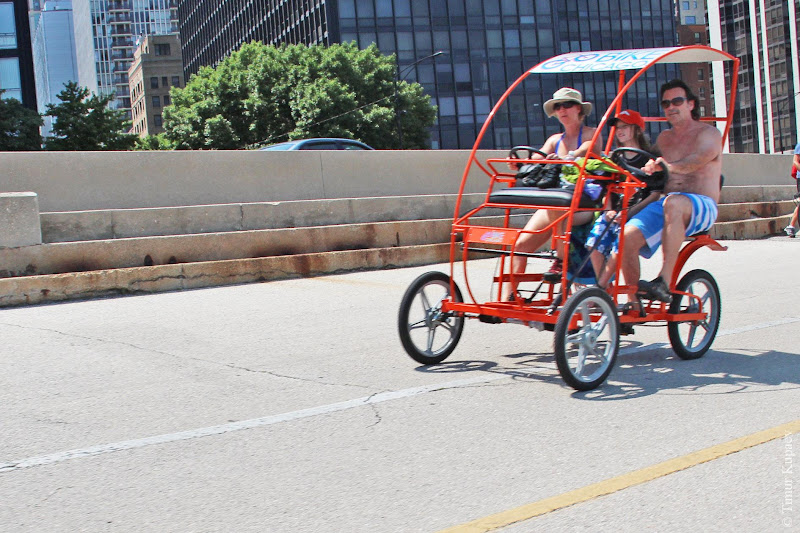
(322,143)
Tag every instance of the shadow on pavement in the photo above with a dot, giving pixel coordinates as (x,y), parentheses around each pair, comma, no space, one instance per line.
(652,369)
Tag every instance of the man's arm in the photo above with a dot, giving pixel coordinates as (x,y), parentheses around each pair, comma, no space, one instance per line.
(707,149)
(796,162)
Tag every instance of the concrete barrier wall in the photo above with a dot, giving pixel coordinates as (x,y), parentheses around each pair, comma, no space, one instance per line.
(77,181)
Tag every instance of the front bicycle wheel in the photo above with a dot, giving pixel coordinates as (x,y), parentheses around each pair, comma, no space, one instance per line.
(691,340)
(429,335)
(587,338)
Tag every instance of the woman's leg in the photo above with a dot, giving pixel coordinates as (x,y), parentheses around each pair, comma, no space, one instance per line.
(530,242)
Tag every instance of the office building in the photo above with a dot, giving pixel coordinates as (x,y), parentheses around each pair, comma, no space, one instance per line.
(54,58)
(692,29)
(106,35)
(691,12)
(489,45)
(34,11)
(764,35)
(16,56)
(157,66)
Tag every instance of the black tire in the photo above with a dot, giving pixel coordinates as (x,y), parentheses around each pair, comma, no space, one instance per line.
(702,284)
(420,319)
(586,351)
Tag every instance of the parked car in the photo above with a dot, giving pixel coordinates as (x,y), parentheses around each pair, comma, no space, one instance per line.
(320,144)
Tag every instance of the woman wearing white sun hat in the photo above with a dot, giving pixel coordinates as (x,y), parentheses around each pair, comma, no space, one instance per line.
(575,141)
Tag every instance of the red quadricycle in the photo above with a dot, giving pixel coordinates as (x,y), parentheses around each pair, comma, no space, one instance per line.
(587,320)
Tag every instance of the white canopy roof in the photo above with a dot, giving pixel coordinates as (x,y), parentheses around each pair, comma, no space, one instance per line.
(609,60)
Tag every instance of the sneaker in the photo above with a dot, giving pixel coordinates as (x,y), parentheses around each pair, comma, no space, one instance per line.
(655,290)
(790,231)
(554,274)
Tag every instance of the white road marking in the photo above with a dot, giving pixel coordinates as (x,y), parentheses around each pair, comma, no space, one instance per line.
(312,411)
(243,424)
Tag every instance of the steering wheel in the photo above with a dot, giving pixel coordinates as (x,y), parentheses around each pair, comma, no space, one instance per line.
(514,152)
(655,179)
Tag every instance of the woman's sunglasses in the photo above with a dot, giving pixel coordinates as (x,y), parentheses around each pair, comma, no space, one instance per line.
(677,101)
(564,105)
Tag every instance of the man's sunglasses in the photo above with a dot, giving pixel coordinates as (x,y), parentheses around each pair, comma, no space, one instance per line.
(565,105)
(677,101)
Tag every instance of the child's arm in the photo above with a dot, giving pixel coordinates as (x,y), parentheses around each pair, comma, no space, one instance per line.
(652,197)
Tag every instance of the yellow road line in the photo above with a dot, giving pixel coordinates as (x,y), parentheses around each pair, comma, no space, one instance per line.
(624,481)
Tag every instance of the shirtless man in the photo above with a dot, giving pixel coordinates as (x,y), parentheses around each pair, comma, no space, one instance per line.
(692,153)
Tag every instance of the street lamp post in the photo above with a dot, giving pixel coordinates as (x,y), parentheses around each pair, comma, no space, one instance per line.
(397,80)
(780,118)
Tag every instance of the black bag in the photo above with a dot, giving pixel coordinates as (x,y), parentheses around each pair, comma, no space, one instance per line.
(529,175)
(539,175)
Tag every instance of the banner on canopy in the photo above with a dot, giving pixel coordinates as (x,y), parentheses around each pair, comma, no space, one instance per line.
(600,61)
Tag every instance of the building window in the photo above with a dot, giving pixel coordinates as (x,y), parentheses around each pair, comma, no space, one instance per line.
(164,82)
(691,19)
(166,100)
(176,81)
(700,75)
(162,49)
(8,32)
(157,121)
(156,101)
(10,80)
(154,82)
(685,5)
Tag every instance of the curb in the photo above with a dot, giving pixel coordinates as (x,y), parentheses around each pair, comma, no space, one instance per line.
(30,290)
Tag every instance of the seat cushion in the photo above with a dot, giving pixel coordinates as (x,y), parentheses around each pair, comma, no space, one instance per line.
(536,196)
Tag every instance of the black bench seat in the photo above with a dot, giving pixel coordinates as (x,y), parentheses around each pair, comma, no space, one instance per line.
(539,197)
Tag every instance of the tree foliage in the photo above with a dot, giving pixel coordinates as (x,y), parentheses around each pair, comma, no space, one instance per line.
(19,126)
(263,94)
(84,122)
(153,142)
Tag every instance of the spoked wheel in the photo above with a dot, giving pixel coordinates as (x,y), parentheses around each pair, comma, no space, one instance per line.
(691,340)
(587,338)
(428,334)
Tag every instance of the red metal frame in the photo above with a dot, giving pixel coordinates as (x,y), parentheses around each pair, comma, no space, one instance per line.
(505,237)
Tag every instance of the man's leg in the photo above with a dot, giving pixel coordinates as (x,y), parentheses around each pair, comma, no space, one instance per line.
(677,216)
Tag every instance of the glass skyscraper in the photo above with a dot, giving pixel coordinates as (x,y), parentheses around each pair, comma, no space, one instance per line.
(489,43)
(106,34)
(54,56)
(765,35)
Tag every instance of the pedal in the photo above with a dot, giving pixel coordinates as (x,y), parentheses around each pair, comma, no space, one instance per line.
(490,319)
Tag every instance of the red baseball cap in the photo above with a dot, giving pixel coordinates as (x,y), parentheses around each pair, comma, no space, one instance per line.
(629,116)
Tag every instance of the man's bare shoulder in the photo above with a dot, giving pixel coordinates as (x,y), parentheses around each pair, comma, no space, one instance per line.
(709,131)
(697,131)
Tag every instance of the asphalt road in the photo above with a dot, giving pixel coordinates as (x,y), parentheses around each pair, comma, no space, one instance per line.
(291,406)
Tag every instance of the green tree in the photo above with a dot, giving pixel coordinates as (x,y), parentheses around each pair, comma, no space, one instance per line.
(19,126)
(84,122)
(153,142)
(263,94)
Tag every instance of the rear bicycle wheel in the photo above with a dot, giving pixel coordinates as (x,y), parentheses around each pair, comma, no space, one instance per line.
(429,335)
(691,340)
